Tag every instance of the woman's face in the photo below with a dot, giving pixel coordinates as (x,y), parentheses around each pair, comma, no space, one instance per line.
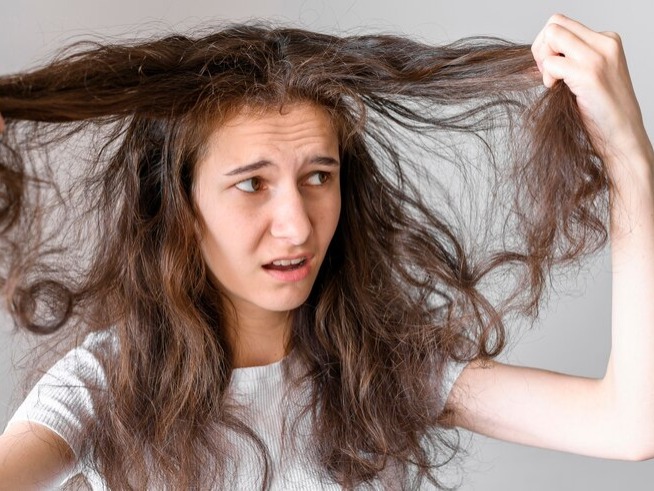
(269,195)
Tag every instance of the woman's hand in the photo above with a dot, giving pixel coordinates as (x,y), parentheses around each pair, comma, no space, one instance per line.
(611,417)
(593,65)
(2,124)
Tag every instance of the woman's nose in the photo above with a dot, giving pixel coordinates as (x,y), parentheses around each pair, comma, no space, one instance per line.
(290,220)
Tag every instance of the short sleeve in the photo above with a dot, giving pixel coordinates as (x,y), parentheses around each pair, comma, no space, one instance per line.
(61,399)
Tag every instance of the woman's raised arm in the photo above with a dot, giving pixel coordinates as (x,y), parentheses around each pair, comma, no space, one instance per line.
(611,417)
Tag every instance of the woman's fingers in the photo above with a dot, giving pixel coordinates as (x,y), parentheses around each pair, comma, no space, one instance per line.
(587,35)
(2,124)
(556,40)
(581,31)
(593,66)
(562,36)
(556,52)
(555,68)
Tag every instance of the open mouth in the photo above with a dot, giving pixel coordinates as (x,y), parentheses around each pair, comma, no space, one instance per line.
(286,264)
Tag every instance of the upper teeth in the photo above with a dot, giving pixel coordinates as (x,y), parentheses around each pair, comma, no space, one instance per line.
(288,262)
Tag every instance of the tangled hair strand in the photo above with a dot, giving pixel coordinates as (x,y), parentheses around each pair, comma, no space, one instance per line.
(400,293)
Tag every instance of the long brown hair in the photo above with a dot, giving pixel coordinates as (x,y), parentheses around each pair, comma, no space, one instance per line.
(402,289)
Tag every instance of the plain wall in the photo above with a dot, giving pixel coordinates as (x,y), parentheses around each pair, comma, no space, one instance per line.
(574,333)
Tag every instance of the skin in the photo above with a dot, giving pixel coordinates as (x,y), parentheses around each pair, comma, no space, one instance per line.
(33,457)
(287,208)
(608,417)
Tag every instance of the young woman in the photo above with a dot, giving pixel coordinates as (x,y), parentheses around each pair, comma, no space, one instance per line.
(270,301)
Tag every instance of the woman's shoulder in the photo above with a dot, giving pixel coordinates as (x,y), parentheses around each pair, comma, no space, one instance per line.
(103,340)
(62,399)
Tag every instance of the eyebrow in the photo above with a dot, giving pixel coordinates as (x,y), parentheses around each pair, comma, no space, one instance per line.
(259,164)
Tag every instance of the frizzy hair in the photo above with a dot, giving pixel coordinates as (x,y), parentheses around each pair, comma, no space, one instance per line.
(399,293)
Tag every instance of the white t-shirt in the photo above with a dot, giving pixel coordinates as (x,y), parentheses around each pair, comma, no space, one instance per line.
(61,401)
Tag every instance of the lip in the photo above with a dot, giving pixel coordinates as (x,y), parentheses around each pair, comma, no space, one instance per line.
(295,274)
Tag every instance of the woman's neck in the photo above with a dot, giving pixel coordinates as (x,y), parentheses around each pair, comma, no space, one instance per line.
(259,338)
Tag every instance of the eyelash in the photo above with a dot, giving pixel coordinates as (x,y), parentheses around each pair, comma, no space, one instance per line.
(326,175)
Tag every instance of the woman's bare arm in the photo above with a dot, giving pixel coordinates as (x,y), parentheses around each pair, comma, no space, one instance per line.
(33,457)
(611,417)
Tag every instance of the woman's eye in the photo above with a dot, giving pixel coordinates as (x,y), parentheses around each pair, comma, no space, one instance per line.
(251,185)
(318,178)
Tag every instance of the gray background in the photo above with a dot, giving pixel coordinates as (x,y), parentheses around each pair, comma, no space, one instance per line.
(573,335)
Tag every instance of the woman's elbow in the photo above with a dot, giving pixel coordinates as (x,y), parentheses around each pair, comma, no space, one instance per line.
(635,447)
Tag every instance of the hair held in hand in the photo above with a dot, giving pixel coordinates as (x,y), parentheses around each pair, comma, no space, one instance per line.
(401,290)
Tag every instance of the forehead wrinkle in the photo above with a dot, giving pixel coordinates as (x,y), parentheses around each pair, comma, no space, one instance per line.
(285,132)
(304,141)
(268,130)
